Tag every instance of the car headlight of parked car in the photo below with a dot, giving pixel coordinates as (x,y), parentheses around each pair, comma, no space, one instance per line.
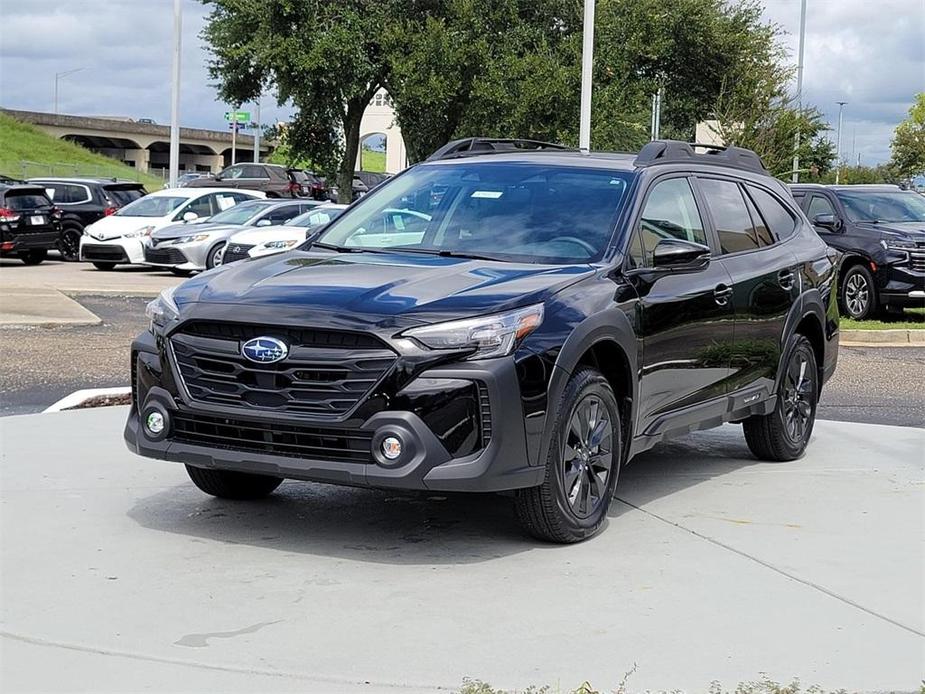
(902,245)
(490,336)
(192,238)
(139,233)
(281,244)
(163,309)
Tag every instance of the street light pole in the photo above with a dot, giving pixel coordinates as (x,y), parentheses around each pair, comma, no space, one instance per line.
(175,97)
(796,137)
(257,135)
(841,106)
(587,68)
(59,76)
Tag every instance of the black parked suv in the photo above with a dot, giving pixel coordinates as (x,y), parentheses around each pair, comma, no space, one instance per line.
(548,316)
(30,225)
(83,201)
(881,232)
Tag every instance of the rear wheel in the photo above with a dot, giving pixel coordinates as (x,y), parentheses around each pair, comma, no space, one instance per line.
(784,434)
(582,466)
(69,244)
(858,294)
(227,484)
(33,257)
(104,266)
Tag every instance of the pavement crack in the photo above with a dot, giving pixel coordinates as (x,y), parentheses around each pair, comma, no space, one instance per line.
(776,569)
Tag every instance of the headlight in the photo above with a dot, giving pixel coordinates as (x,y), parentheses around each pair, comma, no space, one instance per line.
(897,245)
(280,244)
(163,309)
(192,238)
(490,336)
(138,233)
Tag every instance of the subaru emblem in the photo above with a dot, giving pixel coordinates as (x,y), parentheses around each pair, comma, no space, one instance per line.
(264,350)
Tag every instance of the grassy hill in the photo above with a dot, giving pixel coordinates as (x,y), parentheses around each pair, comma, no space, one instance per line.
(373,160)
(52,157)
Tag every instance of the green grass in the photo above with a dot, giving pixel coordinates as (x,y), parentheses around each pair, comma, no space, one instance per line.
(373,161)
(21,142)
(910,319)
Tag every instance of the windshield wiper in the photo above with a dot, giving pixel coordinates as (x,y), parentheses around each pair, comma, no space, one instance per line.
(345,249)
(444,253)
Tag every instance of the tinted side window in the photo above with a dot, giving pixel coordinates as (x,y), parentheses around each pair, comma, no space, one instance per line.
(819,205)
(670,213)
(730,215)
(251,171)
(201,206)
(776,216)
(282,214)
(762,232)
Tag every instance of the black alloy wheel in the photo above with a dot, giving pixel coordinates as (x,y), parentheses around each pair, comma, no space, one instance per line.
(69,244)
(587,456)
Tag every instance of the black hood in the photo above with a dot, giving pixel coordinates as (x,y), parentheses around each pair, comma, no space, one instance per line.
(910,231)
(378,286)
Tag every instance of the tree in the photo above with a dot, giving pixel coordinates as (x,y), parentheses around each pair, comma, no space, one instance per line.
(326,57)
(908,145)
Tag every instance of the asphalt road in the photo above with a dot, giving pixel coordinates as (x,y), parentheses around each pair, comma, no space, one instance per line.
(877,385)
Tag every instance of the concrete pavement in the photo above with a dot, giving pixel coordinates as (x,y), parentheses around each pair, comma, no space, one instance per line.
(117,572)
(83,278)
(41,308)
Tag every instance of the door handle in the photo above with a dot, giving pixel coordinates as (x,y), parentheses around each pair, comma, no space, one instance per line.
(722,293)
(785,279)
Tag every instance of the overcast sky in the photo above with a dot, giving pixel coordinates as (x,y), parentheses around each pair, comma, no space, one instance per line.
(868,53)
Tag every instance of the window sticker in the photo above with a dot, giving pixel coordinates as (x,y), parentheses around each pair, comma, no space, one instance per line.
(490,194)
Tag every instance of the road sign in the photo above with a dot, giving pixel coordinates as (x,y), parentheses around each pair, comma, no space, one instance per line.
(239,116)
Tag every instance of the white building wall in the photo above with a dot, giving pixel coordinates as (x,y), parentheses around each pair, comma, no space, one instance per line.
(379,117)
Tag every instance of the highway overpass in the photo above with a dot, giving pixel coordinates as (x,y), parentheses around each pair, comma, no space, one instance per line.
(143,145)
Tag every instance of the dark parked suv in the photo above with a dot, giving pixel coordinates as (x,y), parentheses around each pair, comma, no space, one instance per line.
(274,180)
(83,201)
(30,225)
(548,316)
(881,232)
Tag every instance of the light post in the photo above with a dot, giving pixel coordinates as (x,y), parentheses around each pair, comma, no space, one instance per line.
(796,137)
(58,77)
(841,106)
(175,97)
(587,68)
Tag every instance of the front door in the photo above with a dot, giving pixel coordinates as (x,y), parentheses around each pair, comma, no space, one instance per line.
(684,320)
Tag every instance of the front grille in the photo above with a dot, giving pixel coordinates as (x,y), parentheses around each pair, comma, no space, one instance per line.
(325,374)
(165,256)
(236,251)
(485,412)
(97,251)
(917,259)
(319,443)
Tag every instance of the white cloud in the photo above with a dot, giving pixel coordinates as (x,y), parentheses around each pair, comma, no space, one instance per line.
(870,54)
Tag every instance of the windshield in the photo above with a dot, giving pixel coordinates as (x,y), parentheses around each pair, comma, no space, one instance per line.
(499,211)
(889,206)
(239,214)
(152,206)
(320,215)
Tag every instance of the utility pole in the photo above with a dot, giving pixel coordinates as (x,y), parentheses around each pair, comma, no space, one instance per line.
(234,134)
(175,97)
(257,135)
(58,77)
(841,106)
(796,137)
(587,69)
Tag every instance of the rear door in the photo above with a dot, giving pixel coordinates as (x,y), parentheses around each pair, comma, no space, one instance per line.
(765,279)
(684,320)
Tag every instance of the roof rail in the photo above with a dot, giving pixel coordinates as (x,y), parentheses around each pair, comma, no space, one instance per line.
(671,151)
(472,146)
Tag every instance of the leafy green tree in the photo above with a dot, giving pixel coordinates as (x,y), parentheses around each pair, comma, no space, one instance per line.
(908,146)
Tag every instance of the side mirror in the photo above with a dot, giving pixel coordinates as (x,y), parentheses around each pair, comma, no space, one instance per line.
(190,216)
(678,255)
(264,223)
(827,221)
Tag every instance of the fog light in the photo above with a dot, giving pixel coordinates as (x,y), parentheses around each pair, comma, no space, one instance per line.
(391,447)
(154,422)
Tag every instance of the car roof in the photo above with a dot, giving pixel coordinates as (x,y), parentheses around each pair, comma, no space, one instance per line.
(873,187)
(23,187)
(598,160)
(196,192)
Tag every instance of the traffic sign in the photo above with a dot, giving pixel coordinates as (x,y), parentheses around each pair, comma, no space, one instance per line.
(238,116)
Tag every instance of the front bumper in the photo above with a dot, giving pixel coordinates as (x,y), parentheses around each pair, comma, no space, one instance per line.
(187,256)
(346,451)
(119,250)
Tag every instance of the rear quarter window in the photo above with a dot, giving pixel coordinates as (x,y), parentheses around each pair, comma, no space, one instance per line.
(778,218)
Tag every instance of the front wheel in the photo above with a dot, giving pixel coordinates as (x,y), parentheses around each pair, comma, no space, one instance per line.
(215,255)
(784,434)
(582,465)
(33,257)
(858,295)
(227,484)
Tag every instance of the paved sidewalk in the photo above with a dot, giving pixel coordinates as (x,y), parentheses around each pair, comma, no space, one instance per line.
(41,308)
(83,278)
(117,570)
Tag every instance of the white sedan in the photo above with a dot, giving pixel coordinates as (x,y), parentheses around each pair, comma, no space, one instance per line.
(256,242)
(120,238)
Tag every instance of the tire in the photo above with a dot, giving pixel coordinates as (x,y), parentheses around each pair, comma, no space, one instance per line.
(69,244)
(180,273)
(565,509)
(33,257)
(784,434)
(105,267)
(226,484)
(859,294)
(214,257)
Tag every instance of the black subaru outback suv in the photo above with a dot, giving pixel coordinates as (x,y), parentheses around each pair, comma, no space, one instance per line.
(544,318)
(880,230)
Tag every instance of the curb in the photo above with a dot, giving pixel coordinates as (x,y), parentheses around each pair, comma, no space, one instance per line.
(883,338)
(79,397)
